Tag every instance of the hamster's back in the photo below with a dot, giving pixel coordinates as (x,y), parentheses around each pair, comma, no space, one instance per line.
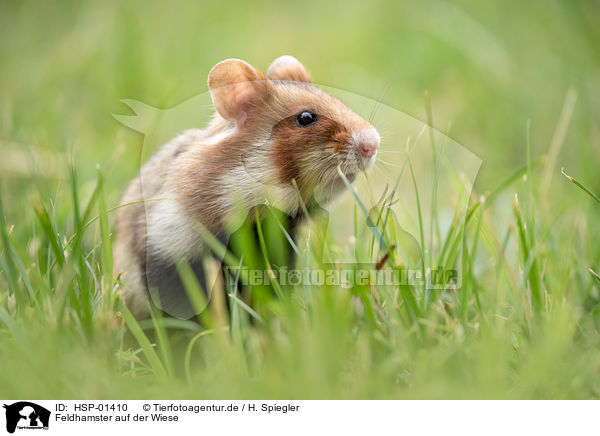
(138,201)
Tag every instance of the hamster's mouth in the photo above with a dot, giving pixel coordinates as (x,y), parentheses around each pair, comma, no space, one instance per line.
(367,162)
(335,185)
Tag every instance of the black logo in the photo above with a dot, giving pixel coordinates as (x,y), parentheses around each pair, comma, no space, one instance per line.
(26,415)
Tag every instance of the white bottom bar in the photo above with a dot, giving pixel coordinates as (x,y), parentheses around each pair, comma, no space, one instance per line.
(301,417)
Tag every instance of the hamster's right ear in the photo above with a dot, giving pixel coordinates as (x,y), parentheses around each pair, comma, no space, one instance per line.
(288,68)
(235,86)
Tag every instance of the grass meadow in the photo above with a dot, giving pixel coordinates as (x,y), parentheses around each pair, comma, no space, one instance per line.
(517,84)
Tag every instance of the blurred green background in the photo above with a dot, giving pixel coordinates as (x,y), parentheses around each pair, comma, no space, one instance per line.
(489,67)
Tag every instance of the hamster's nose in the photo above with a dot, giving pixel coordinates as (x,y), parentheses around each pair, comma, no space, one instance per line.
(367,141)
(368,149)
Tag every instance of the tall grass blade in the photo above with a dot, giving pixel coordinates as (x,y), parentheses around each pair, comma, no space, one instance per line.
(142,339)
(532,273)
(580,186)
(164,344)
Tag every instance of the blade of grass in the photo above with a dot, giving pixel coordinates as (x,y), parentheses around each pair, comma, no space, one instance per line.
(17,257)
(188,353)
(420,215)
(7,260)
(247,308)
(532,277)
(285,232)
(195,293)
(51,235)
(363,208)
(216,246)
(163,341)
(580,185)
(263,249)
(558,140)
(434,225)
(106,252)
(142,339)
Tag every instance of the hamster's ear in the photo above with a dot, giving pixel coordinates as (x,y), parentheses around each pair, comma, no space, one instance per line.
(288,68)
(235,87)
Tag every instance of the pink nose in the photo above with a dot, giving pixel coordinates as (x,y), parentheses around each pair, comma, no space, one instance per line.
(368,148)
(366,141)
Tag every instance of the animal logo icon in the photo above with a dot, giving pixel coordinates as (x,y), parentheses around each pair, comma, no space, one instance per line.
(26,415)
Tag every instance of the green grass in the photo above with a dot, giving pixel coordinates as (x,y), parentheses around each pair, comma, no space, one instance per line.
(525,322)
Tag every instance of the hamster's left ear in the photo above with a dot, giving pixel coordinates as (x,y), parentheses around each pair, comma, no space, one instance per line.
(288,68)
(235,88)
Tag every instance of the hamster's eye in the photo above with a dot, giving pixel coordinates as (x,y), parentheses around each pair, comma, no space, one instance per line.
(306,118)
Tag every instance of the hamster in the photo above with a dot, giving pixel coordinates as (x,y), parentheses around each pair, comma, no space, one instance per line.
(269,132)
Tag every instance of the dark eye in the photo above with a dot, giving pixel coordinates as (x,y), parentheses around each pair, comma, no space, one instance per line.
(306,118)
